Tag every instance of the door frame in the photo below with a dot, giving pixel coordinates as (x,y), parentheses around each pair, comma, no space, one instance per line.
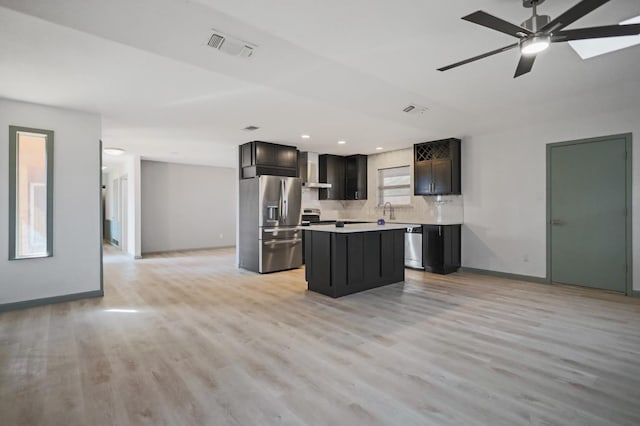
(628,202)
(123,182)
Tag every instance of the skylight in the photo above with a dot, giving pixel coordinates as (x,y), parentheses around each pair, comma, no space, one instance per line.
(599,46)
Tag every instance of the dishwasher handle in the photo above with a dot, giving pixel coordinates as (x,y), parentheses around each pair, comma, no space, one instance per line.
(414,229)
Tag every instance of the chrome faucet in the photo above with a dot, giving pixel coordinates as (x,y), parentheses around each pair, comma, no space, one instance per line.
(392,213)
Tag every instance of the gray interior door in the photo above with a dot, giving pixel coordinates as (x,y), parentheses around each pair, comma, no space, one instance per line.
(588,213)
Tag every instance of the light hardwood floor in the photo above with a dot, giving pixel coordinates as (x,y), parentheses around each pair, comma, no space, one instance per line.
(197,341)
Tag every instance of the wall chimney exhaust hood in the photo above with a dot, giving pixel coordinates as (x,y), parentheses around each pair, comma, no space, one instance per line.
(309,171)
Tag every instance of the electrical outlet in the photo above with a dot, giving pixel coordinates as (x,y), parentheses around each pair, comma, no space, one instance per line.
(525,258)
(221,236)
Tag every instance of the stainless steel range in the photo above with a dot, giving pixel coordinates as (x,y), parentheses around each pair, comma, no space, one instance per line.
(310,216)
(270,233)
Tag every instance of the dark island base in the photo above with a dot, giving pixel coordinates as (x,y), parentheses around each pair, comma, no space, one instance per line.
(338,264)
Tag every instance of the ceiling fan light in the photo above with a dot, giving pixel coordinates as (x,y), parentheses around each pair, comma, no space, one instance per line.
(534,45)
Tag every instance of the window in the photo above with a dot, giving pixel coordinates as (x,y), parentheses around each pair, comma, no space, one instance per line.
(30,193)
(394,186)
(599,46)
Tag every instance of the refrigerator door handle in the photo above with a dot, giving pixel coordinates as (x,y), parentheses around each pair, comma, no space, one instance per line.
(286,229)
(285,197)
(281,203)
(280,242)
(283,200)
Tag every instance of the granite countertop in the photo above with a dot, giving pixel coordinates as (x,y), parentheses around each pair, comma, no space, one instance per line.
(404,223)
(361,227)
(441,223)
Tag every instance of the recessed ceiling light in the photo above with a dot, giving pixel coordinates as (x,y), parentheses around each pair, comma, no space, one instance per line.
(341,142)
(113,151)
(305,136)
(379,148)
(104,167)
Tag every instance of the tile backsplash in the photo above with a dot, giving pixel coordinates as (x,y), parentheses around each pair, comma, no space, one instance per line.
(423,209)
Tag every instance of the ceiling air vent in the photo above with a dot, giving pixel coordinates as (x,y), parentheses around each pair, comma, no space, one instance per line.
(251,128)
(216,41)
(231,45)
(414,109)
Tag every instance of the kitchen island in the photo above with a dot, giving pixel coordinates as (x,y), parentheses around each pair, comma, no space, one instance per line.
(358,257)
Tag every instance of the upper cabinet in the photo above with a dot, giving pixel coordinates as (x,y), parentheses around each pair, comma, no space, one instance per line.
(347,176)
(264,158)
(437,167)
(331,169)
(356,177)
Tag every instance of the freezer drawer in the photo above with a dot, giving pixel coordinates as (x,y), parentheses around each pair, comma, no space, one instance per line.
(281,233)
(278,254)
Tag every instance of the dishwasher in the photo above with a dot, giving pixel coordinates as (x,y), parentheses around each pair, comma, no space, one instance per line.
(413,247)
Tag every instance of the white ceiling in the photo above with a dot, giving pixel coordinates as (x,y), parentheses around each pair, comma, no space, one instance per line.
(335,69)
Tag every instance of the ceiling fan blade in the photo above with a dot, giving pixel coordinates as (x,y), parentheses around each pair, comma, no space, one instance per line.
(495,23)
(572,15)
(524,65)
(475,58)
(596,32)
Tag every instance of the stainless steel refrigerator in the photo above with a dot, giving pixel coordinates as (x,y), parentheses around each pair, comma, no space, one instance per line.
(270,237)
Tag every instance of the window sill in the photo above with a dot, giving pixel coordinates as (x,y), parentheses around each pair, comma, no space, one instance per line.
(34,256)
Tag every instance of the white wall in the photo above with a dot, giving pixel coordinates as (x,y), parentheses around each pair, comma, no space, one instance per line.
(504,187)
(128,166)
(429,209)
(75,265)
(187,206)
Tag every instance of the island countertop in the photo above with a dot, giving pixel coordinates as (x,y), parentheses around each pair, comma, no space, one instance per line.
(397,222)
(357,227)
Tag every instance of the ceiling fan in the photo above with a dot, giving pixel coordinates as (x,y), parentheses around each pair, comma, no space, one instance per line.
(538,32)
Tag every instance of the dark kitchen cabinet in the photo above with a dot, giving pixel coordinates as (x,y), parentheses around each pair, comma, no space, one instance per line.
(356,177)
(436,168)
(332,169)
(441,248)
(392,256)
(347,176)
(344,263)
(264,158)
